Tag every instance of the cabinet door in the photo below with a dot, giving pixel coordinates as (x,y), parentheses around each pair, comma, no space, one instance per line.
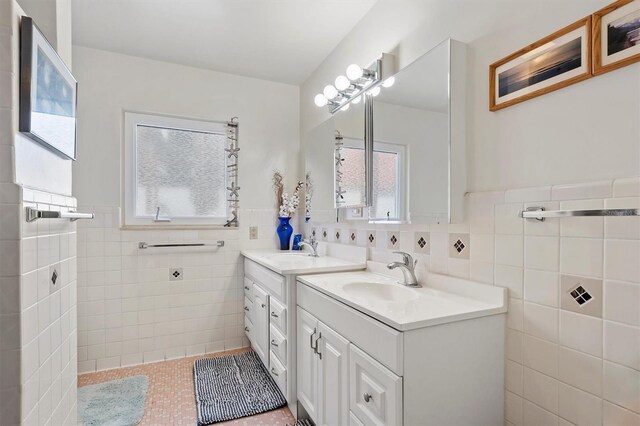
(333,377)
(261,324)
(307,362)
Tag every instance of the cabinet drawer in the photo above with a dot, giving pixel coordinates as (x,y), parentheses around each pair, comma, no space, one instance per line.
(248,288)
(279,373)
(278,344)
(248,328)
(271,281)
(353,420)
(278,316)
(375,392)
(248,308)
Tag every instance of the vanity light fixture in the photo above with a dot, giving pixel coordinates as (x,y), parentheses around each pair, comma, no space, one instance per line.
(357,82)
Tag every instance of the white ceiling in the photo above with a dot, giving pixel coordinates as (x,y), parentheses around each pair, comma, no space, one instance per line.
(279,40)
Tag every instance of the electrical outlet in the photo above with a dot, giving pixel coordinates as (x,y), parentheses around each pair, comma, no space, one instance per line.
(253,232)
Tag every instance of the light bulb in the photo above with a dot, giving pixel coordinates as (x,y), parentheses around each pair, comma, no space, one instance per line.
(357,99)
(345,107)
(330,92)
(354,72)
(375,91)
(389,82)
(320,100)
(342,82)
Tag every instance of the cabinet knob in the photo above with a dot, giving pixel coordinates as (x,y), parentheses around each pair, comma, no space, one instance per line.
(367,397)
(273,343)
(273,371)
(246,308)
(263,305)
(246,329)
(246,288)
(273,314)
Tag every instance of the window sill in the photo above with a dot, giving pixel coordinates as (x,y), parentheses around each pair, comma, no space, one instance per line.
(176,227)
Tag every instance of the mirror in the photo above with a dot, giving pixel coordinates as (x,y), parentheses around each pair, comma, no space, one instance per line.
(335,162)
(414,151)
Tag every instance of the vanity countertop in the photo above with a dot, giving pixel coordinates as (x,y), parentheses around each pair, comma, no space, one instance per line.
(443,299)
(332,259)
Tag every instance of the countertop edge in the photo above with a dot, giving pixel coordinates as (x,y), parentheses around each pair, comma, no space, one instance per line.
(494,310)
(304,271)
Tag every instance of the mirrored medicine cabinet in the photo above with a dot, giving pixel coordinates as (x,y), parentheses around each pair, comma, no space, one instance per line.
(398,157)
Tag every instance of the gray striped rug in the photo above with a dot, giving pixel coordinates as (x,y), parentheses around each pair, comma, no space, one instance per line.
(234,386)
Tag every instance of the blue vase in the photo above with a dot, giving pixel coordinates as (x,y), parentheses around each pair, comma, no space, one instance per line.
(284,231)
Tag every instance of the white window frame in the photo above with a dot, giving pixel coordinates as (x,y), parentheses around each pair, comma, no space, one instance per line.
(131,121)
(401,179)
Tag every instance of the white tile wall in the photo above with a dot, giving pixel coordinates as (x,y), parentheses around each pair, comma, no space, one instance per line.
(47,314)
(562,367)
(130,312)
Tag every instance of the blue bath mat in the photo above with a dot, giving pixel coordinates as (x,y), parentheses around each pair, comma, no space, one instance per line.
(234,386)
(115,403)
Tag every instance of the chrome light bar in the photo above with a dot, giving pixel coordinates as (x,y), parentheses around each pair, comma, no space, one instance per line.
(356,83)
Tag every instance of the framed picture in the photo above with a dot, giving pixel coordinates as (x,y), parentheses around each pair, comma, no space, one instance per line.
(47,93)
(556,61)
(616,36)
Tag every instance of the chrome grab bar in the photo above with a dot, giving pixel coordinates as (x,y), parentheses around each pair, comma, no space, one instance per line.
(143,245)
(540,214)
(35,214)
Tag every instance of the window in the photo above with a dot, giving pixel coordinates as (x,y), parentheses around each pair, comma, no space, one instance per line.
(175,171)
(388,177)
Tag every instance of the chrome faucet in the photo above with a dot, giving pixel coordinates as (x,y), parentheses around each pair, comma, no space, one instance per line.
(311,243)
(408,268)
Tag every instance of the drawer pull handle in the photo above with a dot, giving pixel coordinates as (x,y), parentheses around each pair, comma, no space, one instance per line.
(367,397)
(246,308)
(273,314)
(246,288)
(246,329)
(273,343)
(274,372)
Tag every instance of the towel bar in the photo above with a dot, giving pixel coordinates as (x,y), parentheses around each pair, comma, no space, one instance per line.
(540,214)
(35,214)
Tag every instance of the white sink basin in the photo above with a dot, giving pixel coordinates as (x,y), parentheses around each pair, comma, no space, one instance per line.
(386,292)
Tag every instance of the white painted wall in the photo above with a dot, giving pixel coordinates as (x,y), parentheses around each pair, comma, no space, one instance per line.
(572,135)
(110,83)
(129,312)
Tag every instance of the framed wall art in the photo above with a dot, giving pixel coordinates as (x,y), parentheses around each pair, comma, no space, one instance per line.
(48,93)
(554,62)
(616,36)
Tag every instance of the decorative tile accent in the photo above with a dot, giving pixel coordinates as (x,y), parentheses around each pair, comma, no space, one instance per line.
(353,237)
(325,233)
(371,238)
(581,295)
(175,274)
(313,232)
(393,242)
(337,235)
(422,243)
(459,246)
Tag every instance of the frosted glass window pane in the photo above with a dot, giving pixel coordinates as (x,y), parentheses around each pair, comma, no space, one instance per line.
(353,182)
(181,171)
(385,186)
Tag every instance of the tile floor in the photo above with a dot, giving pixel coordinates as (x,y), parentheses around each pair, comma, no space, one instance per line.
(170,398)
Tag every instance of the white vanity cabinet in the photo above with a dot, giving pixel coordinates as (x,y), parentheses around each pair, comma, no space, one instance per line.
(356,370)
(270,288)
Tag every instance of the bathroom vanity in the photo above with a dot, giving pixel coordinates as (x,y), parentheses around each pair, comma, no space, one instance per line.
(270,303)
(370,351)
